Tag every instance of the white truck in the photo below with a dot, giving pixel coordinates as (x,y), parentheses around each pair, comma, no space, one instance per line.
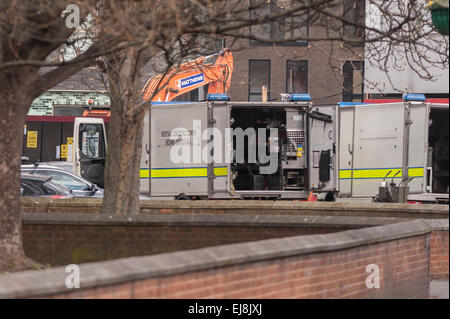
(377,139)
(226,150)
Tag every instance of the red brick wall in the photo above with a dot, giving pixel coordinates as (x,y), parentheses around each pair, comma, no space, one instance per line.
(439,255)
(403,263)
(57,245)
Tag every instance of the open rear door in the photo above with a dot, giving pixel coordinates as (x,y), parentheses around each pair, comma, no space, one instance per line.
(378,146)
(322,149)
(89,149)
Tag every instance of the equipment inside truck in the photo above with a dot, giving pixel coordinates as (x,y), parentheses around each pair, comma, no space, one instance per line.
(438,151)
(288,144)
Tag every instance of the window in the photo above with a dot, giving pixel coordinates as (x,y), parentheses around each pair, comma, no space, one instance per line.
(283,31)
(258,75)
(52,188)
(192,95)
(354,11)
(30,189)
(67,110)
(297,76)
(353,89)
(67,180)
(92,142)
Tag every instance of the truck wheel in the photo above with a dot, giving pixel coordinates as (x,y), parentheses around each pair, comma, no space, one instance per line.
(182,197)
(377,199)
(330,197)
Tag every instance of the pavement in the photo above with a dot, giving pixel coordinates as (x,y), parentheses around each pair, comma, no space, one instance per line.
(439,289)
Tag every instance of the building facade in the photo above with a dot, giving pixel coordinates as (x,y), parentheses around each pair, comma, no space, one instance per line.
(274,54)
(328,71)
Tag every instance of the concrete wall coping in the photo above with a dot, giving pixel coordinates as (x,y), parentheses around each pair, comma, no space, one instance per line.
(52,281)
(438,224)
(247,204)
(205,219)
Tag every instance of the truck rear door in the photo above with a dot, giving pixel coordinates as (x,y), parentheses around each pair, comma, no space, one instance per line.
(322,148)
(219,120)
(378,146)
(176,165)
(346,149)
(89,149)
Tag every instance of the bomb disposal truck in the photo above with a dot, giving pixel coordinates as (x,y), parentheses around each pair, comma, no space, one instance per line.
(377,140)
(221,149)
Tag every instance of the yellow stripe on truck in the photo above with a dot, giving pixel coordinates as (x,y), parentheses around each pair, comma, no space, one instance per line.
(221,171)
(345,173)
(193,172)
(143,173)
(378,173)
(179,172)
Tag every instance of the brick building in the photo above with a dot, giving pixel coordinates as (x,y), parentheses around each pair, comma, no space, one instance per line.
(328,71)
(69,96)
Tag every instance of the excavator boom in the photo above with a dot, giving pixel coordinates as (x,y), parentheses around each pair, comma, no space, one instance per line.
(184,78)
(191,75)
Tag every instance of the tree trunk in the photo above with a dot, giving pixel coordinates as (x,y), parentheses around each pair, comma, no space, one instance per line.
(12,120)
(122,166)
(124,134)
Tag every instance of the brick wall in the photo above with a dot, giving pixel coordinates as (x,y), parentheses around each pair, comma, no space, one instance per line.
(58,245)
(246,207)
(312,266)
(324,78)
(76,239)
(324,84)
(61,239)
(439,255)
(338,274)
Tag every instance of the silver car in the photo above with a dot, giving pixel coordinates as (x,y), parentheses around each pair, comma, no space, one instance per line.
(79,186)
(42,186)
(68,167)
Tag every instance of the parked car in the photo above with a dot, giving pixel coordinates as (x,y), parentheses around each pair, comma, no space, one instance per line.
(79,186)
(62,167)
(36,185)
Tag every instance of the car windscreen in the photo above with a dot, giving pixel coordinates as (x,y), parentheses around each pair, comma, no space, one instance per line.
(53,188)
(66,179)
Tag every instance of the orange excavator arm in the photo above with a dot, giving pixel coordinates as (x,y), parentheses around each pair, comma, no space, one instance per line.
(191,75)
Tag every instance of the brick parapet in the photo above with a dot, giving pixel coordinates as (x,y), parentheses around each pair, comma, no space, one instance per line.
(401,250)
